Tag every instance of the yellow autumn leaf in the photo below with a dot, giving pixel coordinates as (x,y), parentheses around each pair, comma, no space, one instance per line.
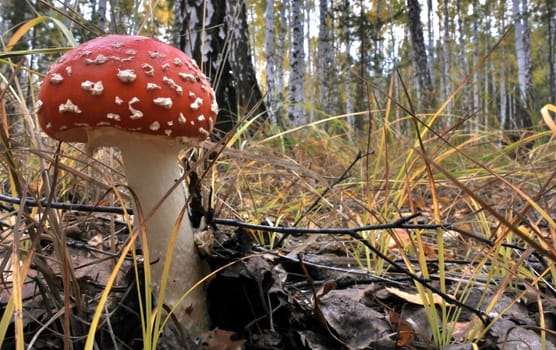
(414,298)
(545,111)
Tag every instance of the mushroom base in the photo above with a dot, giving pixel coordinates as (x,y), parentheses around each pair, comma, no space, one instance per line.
(151,168)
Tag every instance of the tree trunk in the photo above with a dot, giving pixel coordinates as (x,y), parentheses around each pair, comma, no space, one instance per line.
(220,45)
(347,82)
(296,110)
(446,88)
(523,55)
(281,54)
(325,56)
(426,92)
(551,27)
(270,53)
(475,35)
(431,37)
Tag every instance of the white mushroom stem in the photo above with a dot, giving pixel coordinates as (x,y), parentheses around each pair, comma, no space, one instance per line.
(151,169)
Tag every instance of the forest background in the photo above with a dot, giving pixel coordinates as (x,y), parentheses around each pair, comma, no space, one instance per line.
(316,59)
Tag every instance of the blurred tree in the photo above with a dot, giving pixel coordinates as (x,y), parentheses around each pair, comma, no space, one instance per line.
(216,35)
(551,28)
(523,54)
(425,88)
(296,110)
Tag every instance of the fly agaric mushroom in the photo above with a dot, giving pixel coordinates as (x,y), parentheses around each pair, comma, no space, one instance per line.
(150,100)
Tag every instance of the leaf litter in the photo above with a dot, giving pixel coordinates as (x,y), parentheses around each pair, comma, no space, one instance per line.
(315,290)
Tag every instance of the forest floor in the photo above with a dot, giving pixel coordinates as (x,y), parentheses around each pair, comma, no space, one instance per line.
(320,246)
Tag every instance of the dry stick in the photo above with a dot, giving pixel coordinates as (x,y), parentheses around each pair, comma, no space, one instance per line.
(354,233)
(289,230)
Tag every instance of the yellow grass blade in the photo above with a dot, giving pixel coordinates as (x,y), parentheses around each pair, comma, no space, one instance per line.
(33,22)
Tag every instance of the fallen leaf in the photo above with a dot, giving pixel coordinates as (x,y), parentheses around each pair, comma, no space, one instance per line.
(414,298)
(404,329)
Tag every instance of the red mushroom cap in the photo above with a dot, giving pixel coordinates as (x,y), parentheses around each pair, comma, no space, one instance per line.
(131,83)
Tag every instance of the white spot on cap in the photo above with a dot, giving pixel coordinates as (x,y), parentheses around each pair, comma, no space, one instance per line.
(171,83)
(168,132)
(153,86)
(116,58)
(181,118)
(68,107)
(165,102)
(117,45)
(187,77)
(100,59)
(56,78)
(197,104)
(113,116)
(118,101)
(148,69)
(154,126)
(178,62)
(204,131)
(126,75)
(155,54)
(165,67)
(38,105)
(192,94)
(130,52)
(68,70)
(48,125)
(201,118)
(95,88)
(135,113)
(214,107)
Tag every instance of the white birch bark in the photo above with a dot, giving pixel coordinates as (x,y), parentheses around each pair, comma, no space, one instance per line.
(551,27)
(296,109)
(523,55)
(475,35)
(431,38)
(270,56)
(281,52)
(347,81)
(446,88)
(324,53)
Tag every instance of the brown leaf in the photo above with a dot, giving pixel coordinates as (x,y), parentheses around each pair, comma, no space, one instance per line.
(404,329)
(219,339)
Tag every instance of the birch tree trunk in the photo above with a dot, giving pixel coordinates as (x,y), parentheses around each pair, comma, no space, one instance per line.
(270,65)
(324,56)
(425,88)
(431,37)
(475,35)
(347,82)
(446,87)
(551,26)
(523,54)
(215,34)
(281,53)
(296,110)
(461,59)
